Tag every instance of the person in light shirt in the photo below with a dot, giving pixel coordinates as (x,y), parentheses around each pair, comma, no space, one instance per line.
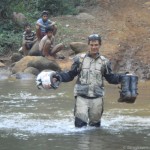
(42,23)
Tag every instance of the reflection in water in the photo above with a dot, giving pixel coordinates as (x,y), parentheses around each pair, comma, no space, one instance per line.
(35,119)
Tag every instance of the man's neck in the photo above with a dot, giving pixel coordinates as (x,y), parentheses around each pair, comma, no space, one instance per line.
(94,56)
(49,37)
(44,20)
(28,32)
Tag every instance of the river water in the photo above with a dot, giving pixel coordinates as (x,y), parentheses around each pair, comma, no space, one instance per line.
(32,119)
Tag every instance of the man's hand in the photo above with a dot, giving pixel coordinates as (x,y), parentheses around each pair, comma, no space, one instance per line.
(47,80)
(39,25)
(53,23)
(47,85)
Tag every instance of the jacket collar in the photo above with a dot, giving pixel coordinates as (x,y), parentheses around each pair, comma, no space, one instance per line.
(97,55)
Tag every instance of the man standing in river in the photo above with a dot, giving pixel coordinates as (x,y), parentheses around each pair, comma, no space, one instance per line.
(89,89)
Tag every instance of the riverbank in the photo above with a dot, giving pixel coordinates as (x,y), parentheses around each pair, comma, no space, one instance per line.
(124,27)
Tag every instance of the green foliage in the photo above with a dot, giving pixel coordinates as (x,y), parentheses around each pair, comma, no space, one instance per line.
(4,4)
(59,7)
(63,33)
(11,33)
(10,37)
(9,41)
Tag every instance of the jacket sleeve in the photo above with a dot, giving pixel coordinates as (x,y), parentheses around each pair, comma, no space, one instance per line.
(69,75)
(109,75)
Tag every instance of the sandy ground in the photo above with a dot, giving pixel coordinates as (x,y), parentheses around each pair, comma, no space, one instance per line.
(125,30)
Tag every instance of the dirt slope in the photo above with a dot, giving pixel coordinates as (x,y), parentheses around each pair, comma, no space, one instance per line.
(125,29)
(131,34)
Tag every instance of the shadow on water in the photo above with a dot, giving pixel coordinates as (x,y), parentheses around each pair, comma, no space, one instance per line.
(43,120)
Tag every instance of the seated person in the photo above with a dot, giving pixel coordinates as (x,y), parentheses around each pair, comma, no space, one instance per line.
(29,38)
(42,23)
(46,45)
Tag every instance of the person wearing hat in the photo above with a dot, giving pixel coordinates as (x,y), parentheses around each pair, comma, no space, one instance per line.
(42,23)
(90,69)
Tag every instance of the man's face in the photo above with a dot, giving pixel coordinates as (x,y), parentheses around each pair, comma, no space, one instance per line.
(94,47)
(45,18)
(49,34)
(28,29)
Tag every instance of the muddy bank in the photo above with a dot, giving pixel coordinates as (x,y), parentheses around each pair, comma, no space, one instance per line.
(124,26)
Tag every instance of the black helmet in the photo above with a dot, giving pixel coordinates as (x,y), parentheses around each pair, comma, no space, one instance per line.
(94,37)
(44,13)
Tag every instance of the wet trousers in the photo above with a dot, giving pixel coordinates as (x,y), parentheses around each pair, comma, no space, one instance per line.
(88,111)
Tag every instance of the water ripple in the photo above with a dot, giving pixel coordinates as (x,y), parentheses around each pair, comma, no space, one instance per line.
(33,123)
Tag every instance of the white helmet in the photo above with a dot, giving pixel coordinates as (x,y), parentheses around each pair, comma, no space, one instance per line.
(46,78)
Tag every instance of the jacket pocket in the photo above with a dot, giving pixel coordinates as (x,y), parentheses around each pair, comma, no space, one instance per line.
(98,91)
(81,89)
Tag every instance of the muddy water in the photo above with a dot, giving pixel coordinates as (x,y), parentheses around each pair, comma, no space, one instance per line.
(31,119)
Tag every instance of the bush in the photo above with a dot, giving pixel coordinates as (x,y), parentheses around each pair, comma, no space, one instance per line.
(10,37)
(11,34)
(59,7)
